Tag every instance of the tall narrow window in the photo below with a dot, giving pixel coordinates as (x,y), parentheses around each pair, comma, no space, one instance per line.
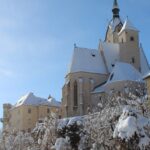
(29,110)
(75,94)
(133,60)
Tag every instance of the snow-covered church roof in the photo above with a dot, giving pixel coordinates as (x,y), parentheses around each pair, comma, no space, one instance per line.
(124,72)
(31,99)
(87,60)
(111,53)
(121,72)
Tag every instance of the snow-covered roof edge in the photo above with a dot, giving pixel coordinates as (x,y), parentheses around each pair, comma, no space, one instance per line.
(86,60)
(146,75)
(120,74)
(30,99)
(128,25)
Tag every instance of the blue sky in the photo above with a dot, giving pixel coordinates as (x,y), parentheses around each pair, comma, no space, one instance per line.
(37,38)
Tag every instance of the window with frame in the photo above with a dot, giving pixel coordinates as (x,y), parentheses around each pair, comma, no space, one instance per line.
(100,98)
(132,38)
(29,110)
(113,65)
(75,94)
(133,60)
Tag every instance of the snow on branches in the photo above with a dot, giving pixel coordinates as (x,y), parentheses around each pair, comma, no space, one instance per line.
(119,122)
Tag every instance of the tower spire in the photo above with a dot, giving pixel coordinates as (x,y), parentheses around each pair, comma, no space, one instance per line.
(115,10)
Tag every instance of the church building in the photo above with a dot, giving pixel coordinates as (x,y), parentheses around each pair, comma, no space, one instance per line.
(118,61)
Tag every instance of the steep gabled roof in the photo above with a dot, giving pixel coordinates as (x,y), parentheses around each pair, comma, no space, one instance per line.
(31,99)
(145,68)
(128,26)
(111,54)
(114,23)
(87,60)
(124,72)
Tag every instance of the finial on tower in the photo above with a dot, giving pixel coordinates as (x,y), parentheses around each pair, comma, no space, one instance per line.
(75,45)
(115,10)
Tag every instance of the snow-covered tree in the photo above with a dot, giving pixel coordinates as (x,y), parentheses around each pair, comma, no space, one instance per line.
(133,129)
(119,122)
(45,133)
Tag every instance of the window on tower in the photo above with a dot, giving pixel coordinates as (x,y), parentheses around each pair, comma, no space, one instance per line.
(113,65)
(75,94)
(131,38)
(133,60)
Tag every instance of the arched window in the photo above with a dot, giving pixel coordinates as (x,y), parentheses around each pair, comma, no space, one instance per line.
(75,94)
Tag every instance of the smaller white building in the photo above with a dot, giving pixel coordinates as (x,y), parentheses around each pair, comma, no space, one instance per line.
(28,110)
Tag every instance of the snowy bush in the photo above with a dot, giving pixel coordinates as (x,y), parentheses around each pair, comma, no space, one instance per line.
(105,129)
(42,137)
(13,141)
(133,126)
(119,122)
(61,144)
(45,133)
(71,134)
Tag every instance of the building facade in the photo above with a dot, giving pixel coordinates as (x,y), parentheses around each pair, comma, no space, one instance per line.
(147,79)
(118,61)
(29,110)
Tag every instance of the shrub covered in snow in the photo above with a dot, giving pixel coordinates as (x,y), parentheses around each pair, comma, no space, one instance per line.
(16,141)
(45,133)
(133,126)
(72,134)
(61,144)
(120,122)
(42,137)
